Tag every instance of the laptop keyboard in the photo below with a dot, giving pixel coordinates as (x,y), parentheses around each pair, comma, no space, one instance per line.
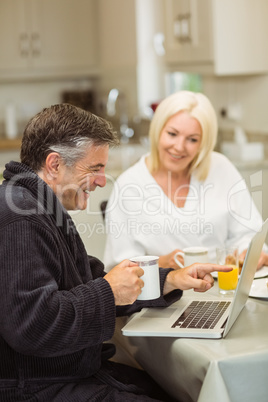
(202,314)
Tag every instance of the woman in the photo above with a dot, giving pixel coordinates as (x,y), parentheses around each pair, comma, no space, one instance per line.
(182,193)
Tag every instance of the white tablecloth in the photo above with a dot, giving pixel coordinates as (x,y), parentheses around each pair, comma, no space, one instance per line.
(234,369)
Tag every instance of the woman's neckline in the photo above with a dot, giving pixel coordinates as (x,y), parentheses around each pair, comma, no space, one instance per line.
(171,190)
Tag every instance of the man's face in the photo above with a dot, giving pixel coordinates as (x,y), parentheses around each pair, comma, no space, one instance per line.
(74,184)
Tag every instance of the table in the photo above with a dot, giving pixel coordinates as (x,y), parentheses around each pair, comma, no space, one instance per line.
(233,369)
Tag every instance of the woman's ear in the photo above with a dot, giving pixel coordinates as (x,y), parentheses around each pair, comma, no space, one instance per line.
(52,164)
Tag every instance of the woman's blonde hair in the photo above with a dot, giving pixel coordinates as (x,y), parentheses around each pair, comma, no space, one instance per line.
(199,107)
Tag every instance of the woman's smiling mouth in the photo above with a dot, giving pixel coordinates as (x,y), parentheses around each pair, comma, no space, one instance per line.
(176,156)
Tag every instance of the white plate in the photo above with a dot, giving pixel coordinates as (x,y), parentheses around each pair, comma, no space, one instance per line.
(261,273)
(259,289)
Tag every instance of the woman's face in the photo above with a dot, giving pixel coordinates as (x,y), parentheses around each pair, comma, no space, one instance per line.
(179,142)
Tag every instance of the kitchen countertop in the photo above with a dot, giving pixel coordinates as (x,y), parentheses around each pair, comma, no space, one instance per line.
(6,144)
(257,164)
(120,158)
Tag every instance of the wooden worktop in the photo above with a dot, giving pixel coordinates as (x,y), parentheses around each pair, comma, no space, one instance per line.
(6,144)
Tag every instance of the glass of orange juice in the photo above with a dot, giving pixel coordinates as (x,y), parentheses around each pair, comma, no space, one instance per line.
(227,281)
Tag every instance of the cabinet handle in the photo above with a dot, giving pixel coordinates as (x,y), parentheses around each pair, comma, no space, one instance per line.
(24,44)
(182,28)
(36,44)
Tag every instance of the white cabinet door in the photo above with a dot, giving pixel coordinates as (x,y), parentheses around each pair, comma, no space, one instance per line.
(240,33)
(188,31)
(40,38)
(224,37)
(14,37)
(63,33)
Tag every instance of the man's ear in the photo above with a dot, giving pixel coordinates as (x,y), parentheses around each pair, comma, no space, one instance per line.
(52,164)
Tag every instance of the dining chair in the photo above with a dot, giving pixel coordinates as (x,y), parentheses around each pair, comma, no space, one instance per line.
(103,205)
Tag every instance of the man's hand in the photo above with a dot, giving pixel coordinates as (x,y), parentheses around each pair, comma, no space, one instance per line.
(125,282)
(196,276)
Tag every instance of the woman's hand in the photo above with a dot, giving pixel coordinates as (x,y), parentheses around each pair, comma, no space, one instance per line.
(196,276)
(263,260)
(167,261)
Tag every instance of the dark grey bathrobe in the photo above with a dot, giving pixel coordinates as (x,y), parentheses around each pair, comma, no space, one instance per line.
(56,310)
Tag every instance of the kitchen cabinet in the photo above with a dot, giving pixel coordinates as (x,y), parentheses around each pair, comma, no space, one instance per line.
(223,37)
(40,38)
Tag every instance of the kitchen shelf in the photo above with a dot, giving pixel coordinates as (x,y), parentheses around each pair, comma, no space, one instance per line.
(6,144)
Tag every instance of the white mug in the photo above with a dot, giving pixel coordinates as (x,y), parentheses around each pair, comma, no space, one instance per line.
(192,255)
(149,264)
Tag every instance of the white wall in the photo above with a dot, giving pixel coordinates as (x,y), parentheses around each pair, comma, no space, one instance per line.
(30,97)
(251,92)
(128,60)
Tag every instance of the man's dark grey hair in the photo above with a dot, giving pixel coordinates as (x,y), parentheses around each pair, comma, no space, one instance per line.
(65,129)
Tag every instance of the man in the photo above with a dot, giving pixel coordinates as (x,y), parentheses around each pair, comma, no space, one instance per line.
(58,305)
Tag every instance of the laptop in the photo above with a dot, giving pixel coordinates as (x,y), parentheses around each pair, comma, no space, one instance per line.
(177,320)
